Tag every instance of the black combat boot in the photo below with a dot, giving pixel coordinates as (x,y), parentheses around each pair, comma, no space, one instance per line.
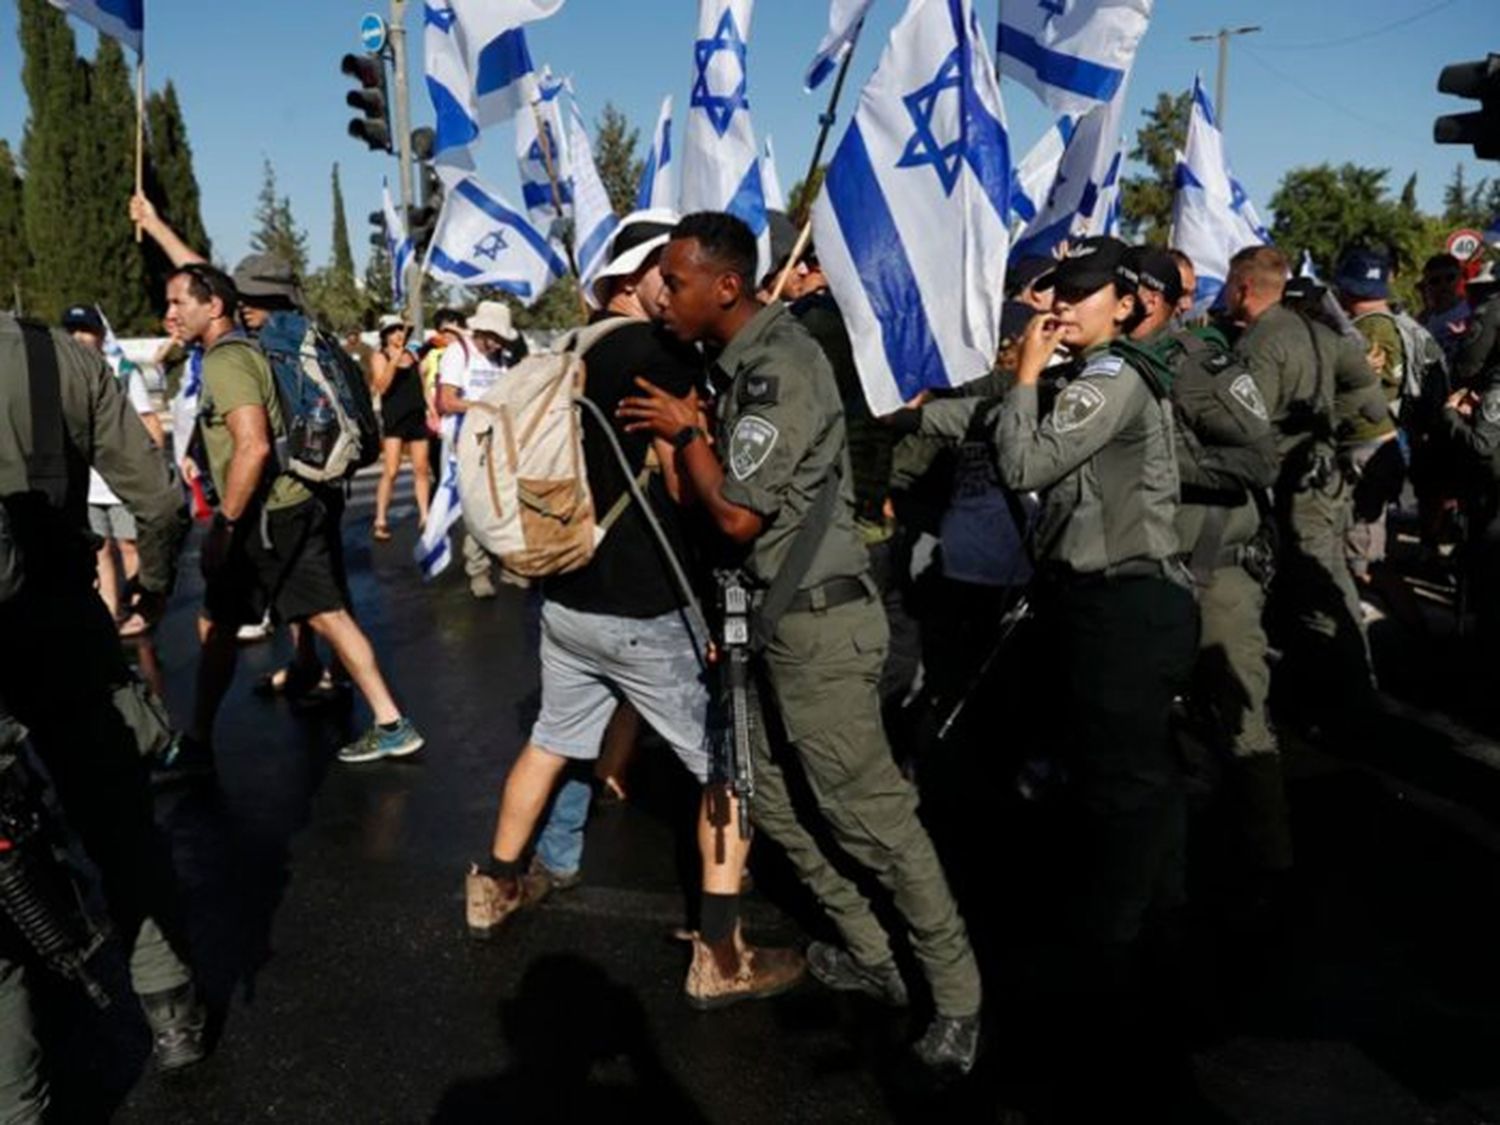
(950,1044)
(178,1021)
(838,970)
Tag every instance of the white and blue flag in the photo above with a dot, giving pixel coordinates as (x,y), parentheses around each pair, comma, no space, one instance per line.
(482,240)
(1212,216)
(1033,177)
(845,17)
(434,550)
(479,69)
(542,155)
(124,20)
(721,161)
(770,179)
(656,176)
(397,245)
(912,222)
(1073,54)
(594,220)
(1082,200)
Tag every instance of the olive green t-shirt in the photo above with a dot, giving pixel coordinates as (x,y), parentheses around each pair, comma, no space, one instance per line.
(236,374)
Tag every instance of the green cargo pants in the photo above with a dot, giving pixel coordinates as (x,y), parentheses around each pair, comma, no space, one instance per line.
(23,1091)
(822,674)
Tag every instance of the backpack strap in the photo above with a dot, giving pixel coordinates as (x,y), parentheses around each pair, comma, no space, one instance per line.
(46,467)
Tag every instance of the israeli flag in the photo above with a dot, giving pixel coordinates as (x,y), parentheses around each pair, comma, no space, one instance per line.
(1082,195)
(594,219)
(845,17)
(124,20)
(656,176)
(1308,268)
(479,68)
(912,223)
(1036,173)
(482,240)
(542,153)
(1212,217)
(770,180)
(1073,54)
(397,245)
(721,161)
(434,551)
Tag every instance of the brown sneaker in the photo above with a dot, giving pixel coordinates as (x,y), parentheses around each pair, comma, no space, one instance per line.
(540,881)
(730,971)
(489,902)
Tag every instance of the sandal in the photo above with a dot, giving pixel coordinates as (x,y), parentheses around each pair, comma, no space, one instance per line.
(382,532)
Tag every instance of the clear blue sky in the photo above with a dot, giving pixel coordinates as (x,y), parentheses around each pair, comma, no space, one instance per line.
(262,80)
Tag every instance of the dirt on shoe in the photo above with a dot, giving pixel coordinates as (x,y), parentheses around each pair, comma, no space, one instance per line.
(729,971)
(488,902)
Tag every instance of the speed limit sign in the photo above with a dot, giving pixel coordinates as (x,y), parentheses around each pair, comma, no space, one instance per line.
(1465,244)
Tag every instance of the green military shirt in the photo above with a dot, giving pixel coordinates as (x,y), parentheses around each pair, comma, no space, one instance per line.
(102,431)
(236,374)
(781,429)
(1480,350)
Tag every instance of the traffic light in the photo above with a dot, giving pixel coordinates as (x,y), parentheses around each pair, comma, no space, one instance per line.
(379,236)
(421,222)
(1481,128)
(371,99)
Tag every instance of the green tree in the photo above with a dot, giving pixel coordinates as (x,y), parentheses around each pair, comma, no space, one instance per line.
(1146,199)
(14,256)
(557,308)
(800,199)
(377,290)
(116,265)
(614,155)
(276,231)
(171,185)
(1466,205)
(333,291)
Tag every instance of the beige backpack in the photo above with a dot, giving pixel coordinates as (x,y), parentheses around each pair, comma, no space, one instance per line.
(522,479)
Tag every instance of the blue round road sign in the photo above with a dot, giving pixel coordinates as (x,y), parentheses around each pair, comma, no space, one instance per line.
(372,33)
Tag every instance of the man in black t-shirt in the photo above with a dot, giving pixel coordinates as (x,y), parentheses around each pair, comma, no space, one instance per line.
(614,631)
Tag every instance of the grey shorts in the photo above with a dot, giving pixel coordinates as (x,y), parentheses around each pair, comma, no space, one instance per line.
(591,661)
(112,521)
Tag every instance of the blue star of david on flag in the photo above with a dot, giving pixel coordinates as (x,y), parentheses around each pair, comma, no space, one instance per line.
(720,107)
(490,246)
(924,147)
(440,18)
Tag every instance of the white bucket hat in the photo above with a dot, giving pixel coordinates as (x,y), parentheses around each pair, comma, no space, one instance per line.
(639,235)
(493,316)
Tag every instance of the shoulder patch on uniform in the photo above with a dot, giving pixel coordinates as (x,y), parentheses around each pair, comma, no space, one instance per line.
(1490,407)
(760,390)
(750,444)
(1247,394)
(1107,365)
(1076,407)
(1218,363)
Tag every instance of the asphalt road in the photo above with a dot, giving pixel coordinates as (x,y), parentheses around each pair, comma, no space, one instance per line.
(327,921)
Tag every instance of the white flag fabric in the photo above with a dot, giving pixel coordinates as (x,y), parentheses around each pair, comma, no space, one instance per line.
(482,240)
(720,160)
(537,191)
(1073,54)
(1085,187)
(1034,176)
(844,20)
(911,225)
(770,180)
(124,20)
(397,245)
(434,551)
(1212,217)
(656,176)
(594,219)
(479,68)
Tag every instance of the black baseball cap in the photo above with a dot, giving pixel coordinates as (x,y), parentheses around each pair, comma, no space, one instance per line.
(1091,264)
(83,318)
(1024,272)
(1156,270)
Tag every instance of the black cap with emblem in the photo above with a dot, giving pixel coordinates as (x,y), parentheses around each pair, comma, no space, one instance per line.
(1090,265)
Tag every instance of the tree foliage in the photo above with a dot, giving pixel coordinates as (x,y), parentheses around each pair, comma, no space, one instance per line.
(333,292)
(276,231)
(171,185)
(800,199)
(14,258)
(1146,199)
(1466,205)
(615,142)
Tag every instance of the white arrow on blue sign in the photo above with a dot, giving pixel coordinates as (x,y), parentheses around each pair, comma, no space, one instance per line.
(372,33)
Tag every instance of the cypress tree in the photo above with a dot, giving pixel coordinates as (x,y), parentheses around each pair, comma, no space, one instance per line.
(343,256)
(333,291)
(13,252)
(117,266)
(171,185)
(276,230)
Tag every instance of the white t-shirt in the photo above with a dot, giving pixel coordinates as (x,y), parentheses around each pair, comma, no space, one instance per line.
(466,367)
(140,398)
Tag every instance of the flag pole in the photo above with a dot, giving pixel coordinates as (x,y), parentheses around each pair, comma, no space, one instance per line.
(826,120)
(140,130)
(545,143)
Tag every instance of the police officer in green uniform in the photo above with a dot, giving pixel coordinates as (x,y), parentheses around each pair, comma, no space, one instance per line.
(1480,350)
(1471,424)
(64,678)
(1226,457)
(785,467)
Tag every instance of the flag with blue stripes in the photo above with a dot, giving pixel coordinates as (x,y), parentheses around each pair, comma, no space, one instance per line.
(482,240)
(1083,198)
(770,179)
(720,160)
(397,245)
(912,223)
(1212,216)
(434,549)
(124,20)
(594,220)
(1033,177)
(541,141)
(1073,54)
(479,69)
(845,17)
(656,176)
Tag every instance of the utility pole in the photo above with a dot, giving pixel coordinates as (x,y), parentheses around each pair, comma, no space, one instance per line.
(1221,93)
(404,156)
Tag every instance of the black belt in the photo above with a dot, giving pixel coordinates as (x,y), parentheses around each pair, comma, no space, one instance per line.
(829,595)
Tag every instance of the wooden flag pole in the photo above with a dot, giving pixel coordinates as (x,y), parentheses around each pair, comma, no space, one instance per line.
(557,205)
(140,133)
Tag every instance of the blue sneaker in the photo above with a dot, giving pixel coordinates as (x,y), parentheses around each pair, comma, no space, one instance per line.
(376,743)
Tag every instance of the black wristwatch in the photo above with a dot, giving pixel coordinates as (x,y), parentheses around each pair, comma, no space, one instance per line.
(686,436)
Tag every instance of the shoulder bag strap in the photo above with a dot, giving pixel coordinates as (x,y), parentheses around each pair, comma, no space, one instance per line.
(799,559)
(46,467)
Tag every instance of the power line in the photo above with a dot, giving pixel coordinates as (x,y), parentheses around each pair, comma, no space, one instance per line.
(1346,40)
(1383,127)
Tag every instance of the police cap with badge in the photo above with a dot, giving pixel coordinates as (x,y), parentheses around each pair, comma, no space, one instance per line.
(1089,266)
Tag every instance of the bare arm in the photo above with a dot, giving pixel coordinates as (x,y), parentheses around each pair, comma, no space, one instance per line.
(250,427)
(179,252)
(450,399)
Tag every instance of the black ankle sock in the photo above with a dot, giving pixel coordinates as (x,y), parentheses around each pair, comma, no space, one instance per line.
(720,915)
(501,868)
(391,727)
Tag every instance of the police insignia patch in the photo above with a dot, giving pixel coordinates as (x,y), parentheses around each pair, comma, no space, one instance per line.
(1077,404)
(1106,365)
(750,444)
(1490,408)
(760,390)
(1247,394)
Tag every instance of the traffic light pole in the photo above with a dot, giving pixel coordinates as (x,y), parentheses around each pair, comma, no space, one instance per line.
(404,158)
